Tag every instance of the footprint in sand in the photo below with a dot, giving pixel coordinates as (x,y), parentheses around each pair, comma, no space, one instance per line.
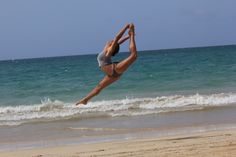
(38,156)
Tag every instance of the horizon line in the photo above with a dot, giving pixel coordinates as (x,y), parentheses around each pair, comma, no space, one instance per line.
(28,58)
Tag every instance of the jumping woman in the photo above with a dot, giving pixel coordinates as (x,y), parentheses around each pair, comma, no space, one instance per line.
(113,70)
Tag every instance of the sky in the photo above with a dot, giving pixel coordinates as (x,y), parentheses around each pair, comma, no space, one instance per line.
(42,28)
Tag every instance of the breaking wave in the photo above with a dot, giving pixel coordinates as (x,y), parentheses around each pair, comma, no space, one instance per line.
(49,110)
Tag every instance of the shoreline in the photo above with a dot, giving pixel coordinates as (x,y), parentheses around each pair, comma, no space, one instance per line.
(99,130)
(209,143)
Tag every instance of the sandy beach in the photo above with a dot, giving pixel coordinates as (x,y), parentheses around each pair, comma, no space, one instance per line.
(214,143)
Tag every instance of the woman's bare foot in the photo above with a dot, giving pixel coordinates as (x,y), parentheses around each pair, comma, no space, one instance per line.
(131,26)
(131,29)
(83,102)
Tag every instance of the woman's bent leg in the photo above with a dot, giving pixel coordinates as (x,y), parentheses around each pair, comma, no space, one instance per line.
(123,65)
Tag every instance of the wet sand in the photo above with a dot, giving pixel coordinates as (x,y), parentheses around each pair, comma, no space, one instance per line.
(210,144)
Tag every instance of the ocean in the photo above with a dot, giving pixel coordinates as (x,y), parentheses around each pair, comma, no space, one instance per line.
(163,89)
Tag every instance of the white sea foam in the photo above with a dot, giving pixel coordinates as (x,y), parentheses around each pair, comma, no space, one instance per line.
(49,110)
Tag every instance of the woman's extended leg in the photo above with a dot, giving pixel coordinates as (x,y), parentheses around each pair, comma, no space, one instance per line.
(104,83)
(123,65)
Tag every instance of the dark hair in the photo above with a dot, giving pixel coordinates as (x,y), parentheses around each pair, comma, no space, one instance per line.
(116,50)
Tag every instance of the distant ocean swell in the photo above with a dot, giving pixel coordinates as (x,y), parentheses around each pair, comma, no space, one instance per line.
(57,110)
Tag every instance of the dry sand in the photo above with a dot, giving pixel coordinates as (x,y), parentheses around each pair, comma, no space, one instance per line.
(208,144)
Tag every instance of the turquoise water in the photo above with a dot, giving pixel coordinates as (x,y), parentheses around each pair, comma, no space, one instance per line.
(49,87)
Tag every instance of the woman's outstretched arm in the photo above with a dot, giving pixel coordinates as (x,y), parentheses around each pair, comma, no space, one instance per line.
(117,38)
(120,34)
(122,40)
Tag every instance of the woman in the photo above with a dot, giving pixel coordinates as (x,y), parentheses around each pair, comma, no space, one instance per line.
(112,70)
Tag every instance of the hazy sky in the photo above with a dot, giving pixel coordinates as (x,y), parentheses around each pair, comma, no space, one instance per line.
(37,28)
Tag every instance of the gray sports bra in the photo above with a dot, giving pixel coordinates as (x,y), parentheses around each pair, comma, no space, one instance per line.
(103,59)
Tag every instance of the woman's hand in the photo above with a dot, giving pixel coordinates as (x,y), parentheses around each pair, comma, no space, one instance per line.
(127,26)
